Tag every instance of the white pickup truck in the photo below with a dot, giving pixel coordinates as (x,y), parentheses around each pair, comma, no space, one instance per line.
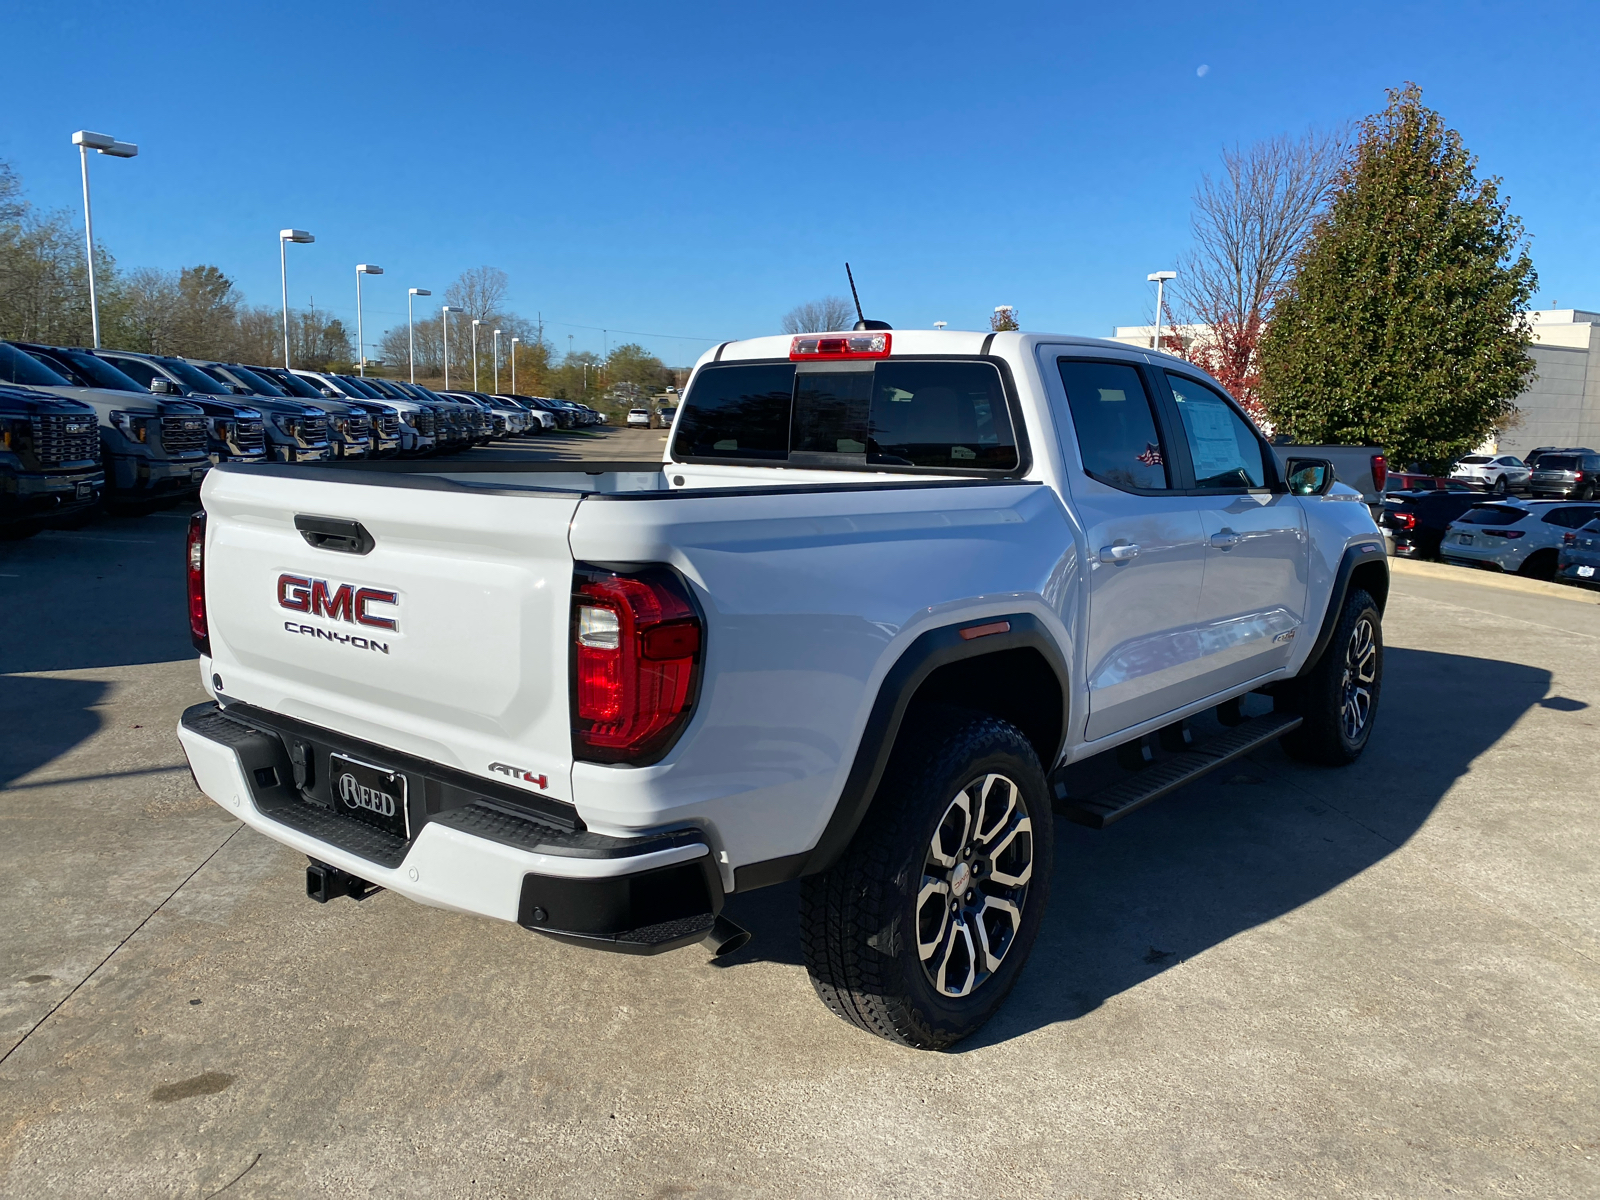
(885,588)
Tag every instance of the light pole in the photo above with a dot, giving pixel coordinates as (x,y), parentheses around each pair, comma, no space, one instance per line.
(411,332)
(496,362)
(285,236)
(361,345)
(103,143)
(444,315)
(514,342)
(1159,278)
(475,324)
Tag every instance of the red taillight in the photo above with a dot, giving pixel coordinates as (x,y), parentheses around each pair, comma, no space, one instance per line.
(1569,539)
(635,663)
(1577,476)
(1380,473)
(839,345)
(1404,520)
(195,570)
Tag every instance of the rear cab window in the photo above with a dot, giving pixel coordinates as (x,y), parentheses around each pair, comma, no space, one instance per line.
(946,416)
(1493,514)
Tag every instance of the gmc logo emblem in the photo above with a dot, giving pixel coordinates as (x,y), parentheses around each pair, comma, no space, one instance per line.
(347,602)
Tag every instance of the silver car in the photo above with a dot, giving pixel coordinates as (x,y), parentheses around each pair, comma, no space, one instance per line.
(1497,473)
(1522,537)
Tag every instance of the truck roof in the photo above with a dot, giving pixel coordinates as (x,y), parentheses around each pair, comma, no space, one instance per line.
(930,341)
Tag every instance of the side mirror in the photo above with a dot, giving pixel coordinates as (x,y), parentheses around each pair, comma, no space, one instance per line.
(329,393)
(1310,476)
(164,387)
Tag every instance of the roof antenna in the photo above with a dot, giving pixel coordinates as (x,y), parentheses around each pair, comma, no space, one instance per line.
(861,320)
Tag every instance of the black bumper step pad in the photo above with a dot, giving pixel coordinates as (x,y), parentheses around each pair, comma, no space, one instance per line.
(1169,774)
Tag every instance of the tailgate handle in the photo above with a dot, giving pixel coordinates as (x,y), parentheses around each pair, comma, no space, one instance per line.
(335,533)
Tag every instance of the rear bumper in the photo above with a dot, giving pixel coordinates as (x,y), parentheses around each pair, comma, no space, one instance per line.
(479,855)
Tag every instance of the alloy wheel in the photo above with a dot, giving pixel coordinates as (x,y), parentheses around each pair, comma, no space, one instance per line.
(1360,674)
(974,885)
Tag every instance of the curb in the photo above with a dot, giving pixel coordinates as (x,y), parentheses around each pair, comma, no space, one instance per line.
(1492,579)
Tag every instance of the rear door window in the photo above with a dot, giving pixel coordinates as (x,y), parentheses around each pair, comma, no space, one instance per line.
(1558,462)
(1227,453)
(1115,424)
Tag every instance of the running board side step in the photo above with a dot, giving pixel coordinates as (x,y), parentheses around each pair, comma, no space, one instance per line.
(1168,774)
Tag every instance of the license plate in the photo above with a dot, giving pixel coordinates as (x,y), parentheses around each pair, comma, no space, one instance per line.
(85,491)
(196,474)
(1586,572)
(369,793)
(1464,538)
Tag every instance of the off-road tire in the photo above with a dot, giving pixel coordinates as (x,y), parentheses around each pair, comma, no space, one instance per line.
(859,921)
(1349,673)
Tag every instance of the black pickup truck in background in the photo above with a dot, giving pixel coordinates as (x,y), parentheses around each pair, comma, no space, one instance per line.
(49,460)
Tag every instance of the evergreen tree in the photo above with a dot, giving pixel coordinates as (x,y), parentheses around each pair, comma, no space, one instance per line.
(1404,325)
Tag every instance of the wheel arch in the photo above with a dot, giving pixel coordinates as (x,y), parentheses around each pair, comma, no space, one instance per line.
(1363,566)
(1018,674)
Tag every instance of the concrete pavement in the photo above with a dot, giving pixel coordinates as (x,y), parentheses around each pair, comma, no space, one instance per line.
(1281,981)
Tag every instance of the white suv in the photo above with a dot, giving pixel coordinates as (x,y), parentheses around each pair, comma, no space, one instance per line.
(1498,473)
(639,418)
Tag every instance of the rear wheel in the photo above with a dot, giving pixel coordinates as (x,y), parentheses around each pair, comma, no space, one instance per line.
(1541,564)
(1499,488)
(1338,697)
(920,930)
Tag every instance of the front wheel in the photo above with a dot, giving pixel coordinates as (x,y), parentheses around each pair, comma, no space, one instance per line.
(920,930)
(1499,488)
(1338,696)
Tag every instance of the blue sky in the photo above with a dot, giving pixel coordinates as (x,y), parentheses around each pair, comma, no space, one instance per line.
(696,170)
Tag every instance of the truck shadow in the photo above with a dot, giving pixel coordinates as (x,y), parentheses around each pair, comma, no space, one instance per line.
(1253,841)
(41,719)
(106,596)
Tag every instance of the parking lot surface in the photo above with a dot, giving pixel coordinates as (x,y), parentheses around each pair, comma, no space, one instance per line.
(1281,981)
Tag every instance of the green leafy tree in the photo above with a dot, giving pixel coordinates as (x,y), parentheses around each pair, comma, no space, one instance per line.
(1404,324)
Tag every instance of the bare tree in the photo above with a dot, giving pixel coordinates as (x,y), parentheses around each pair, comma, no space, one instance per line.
(828,315)
(1004,319)
(1249,224)
(480,291)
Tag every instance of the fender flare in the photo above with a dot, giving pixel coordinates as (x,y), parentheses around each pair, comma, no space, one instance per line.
(931,650)
(1358,555)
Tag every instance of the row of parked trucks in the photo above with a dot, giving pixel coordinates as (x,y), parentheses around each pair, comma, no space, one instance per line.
(80,428)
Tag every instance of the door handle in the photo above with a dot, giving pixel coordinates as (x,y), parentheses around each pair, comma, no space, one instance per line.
(1224,541)
(1119,554)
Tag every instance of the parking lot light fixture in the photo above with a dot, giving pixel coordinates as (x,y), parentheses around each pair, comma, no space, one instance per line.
(514,342)
(411,332)
(497,362)
(475,324)
(101,143)
(361,345)
(285,236)
(444,315)
(1159,278)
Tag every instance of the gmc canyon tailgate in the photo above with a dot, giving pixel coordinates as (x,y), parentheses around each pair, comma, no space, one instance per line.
(429,617)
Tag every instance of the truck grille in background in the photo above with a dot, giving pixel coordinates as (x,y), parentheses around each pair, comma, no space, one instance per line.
(391,424)
(357,428)
(423,423)
(183,435)
(499,424)
(313,429)
(248,438)
(61,439)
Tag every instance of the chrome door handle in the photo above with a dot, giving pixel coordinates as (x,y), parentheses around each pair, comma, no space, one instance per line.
(1119,554)
(1224,541)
